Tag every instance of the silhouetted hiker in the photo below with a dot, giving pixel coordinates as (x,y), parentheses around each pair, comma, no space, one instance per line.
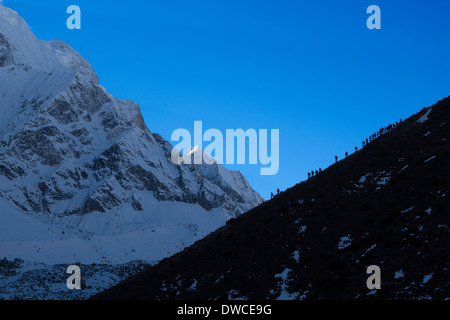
(317,172)
(278,191)
(356,149)
(367,141)
(363,143)
(346,154)
(312,173)
(271,195)
(335,158)
(309,175)
(320,170)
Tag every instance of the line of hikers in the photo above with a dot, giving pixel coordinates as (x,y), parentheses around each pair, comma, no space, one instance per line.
(379,133)
(314,172)
(372,137)
(271,194)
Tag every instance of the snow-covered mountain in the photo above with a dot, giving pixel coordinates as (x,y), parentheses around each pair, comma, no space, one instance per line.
(81,176)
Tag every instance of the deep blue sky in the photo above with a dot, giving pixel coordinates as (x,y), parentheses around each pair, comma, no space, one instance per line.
(311,69)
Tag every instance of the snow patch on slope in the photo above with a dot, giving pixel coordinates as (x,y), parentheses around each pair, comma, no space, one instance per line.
(424,118)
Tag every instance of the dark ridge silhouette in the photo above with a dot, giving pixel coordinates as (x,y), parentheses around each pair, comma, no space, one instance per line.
(386,205)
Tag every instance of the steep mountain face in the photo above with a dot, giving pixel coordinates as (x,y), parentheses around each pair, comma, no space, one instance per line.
(77,164)
(385,205)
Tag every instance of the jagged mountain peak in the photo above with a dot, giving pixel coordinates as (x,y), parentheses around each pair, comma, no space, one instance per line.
(72,154)
(20,47)
(216,172)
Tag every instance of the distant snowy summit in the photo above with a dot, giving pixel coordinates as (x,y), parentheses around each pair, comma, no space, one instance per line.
(81,175)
